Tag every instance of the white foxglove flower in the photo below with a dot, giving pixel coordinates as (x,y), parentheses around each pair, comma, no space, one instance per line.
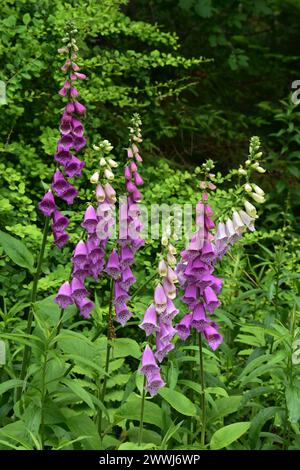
(257,198)
(238,224)
(95,178)
(250,209)
(221,232)
(102,162)
(248,188)
(108,174)
(258,190)
(247,220)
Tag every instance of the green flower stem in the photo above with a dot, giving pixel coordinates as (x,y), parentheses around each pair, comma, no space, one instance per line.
(142,412)
(137,291)
(202,383)
(110,336)
(26,354)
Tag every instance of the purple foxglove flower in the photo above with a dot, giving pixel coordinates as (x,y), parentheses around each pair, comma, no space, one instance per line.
(149,323)
(80,76)
(70,108)
(96,269)
(121,296)
(138,179)
(166,332)
(60,222)
(170,312)
(136,195)
(138,158)
(113,265)
(63,157)
(80,254)
(122,313)
(126,257)
(133,167)
(79,108)
(183,327)
(95,252)
(65,143)
(65,124)
(209,224)
(90,220)
(69,194)
(47,204)
(79,143)
(77,127)
(216,284)
(60,238)
(213,337)
(154,383)
(199,320)
(162,349)
(169,288)
(85,306)
(127,279)
(211,300)
(149,365)
(208,251)
(74,167)
(130,186)
(160,299)
(80,273)
(63,297)
(129,153)
(191,294)
(59,184)
(78,290)
(127,173)
(73,92)
(75,67)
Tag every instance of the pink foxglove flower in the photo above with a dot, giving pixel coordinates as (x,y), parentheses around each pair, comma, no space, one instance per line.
(71,137)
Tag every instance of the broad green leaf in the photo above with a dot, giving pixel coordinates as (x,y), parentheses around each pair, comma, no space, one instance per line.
(131,410)
(9,384)
(123,347)
(258,422)
(292,395)
(79,391)
(178,401)
(225,406)
(82,425)
(133,446)
(17,251)
(228,434)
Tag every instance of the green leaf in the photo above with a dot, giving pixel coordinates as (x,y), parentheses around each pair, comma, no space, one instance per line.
(132,410)
(204,8)
(9,384)
(132,446)
(26,19)
(225,406)
(17,251)
(123,347)
(82,425)
(79,391)
(292,396)
(257,423)
(228,434)
(178,401)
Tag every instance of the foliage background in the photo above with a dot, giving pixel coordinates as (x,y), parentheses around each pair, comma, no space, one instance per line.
(205,75)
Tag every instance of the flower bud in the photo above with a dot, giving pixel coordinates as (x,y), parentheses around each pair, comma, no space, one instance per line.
(171,259)
(260,169)
(258,155)
(108,174)
(248,188)
(248,162)
(102,162)
(172,250)
(164,240)
(258,198)
(258,190)
(162,268)
(112,163)
(241,171)
(250,209)
(100,193)
(95,178)
(95,147)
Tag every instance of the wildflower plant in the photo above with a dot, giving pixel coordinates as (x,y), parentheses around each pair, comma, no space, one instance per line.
(71,140)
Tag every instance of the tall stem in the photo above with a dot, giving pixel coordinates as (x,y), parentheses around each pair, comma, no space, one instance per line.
(142,413)
(110,336)
(202,383)
(26,354)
